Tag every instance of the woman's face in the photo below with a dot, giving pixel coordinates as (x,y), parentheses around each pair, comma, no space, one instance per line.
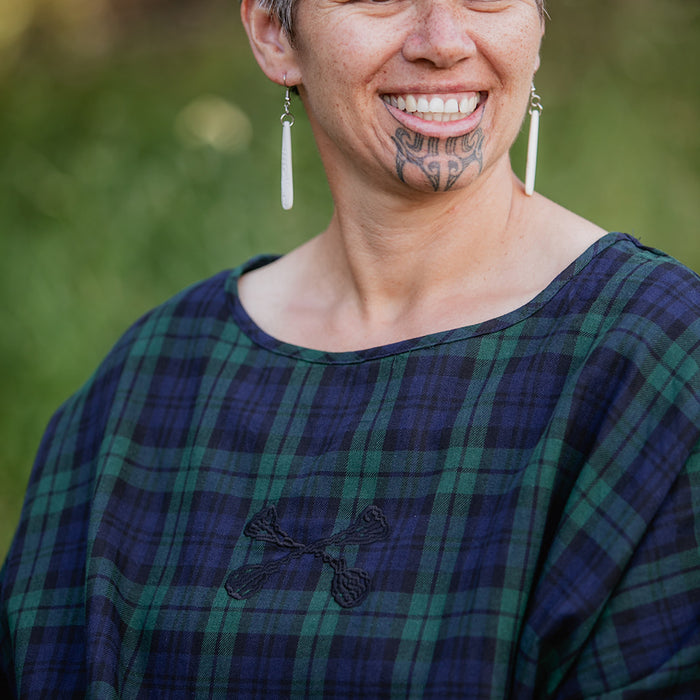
(428,92)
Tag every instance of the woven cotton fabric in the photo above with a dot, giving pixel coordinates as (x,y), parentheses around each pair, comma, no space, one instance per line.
(506,510)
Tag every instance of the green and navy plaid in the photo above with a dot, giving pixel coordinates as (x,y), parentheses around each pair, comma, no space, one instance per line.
(506,510)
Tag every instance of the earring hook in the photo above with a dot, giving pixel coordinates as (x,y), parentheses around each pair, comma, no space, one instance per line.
(287,116)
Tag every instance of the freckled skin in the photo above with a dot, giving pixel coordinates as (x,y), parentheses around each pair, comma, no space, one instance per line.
(348,54)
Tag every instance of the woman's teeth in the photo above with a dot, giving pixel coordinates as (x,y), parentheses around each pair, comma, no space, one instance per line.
(434,108)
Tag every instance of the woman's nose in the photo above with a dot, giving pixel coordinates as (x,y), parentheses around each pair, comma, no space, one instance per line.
(441,34)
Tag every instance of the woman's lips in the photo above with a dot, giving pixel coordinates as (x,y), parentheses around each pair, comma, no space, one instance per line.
(440,115)
(440,108)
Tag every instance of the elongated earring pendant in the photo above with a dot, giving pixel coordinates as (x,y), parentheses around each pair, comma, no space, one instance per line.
(287,181)
(534,110)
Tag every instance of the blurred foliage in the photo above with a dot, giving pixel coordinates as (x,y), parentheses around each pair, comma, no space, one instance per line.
(89,27)
(139,149)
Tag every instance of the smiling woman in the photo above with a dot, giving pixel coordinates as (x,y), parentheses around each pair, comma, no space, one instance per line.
(446,448)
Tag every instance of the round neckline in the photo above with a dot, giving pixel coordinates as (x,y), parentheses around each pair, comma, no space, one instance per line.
(258,336)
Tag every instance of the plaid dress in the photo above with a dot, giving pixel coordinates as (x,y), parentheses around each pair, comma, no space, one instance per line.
(506,510)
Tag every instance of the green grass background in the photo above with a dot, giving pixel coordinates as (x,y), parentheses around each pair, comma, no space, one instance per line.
(106,211)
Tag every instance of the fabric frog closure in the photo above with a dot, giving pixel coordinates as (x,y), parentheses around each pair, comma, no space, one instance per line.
(349,586)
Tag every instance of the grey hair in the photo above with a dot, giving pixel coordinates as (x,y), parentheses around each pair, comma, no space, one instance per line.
(284,10)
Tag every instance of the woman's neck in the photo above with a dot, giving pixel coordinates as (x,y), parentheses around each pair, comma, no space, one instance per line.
(387,269)
(389,251)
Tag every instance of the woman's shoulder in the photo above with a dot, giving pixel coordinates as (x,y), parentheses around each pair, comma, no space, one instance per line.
(181,327)
(627,268)
(646,278)
(187,312)
(199,312)
(632,301)
(163,350)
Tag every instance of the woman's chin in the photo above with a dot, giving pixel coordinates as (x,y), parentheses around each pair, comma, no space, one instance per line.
(431,164)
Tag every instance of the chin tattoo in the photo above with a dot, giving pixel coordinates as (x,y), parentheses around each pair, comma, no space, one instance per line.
(442,162)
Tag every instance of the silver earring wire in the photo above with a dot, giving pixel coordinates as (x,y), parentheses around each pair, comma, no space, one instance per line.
(287,181)
(534,110)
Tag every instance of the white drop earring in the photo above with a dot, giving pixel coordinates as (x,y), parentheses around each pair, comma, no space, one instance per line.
(287,181)
(534,110)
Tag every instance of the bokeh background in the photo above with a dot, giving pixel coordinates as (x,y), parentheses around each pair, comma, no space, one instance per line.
(139,150)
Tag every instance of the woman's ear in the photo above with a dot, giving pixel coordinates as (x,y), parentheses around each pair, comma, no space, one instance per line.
(270,44)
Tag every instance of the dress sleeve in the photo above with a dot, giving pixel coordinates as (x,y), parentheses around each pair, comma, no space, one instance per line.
(645,642)
(6,682)
(42,594)
(42,582)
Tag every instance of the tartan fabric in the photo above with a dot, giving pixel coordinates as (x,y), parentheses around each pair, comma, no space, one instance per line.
(507,510)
